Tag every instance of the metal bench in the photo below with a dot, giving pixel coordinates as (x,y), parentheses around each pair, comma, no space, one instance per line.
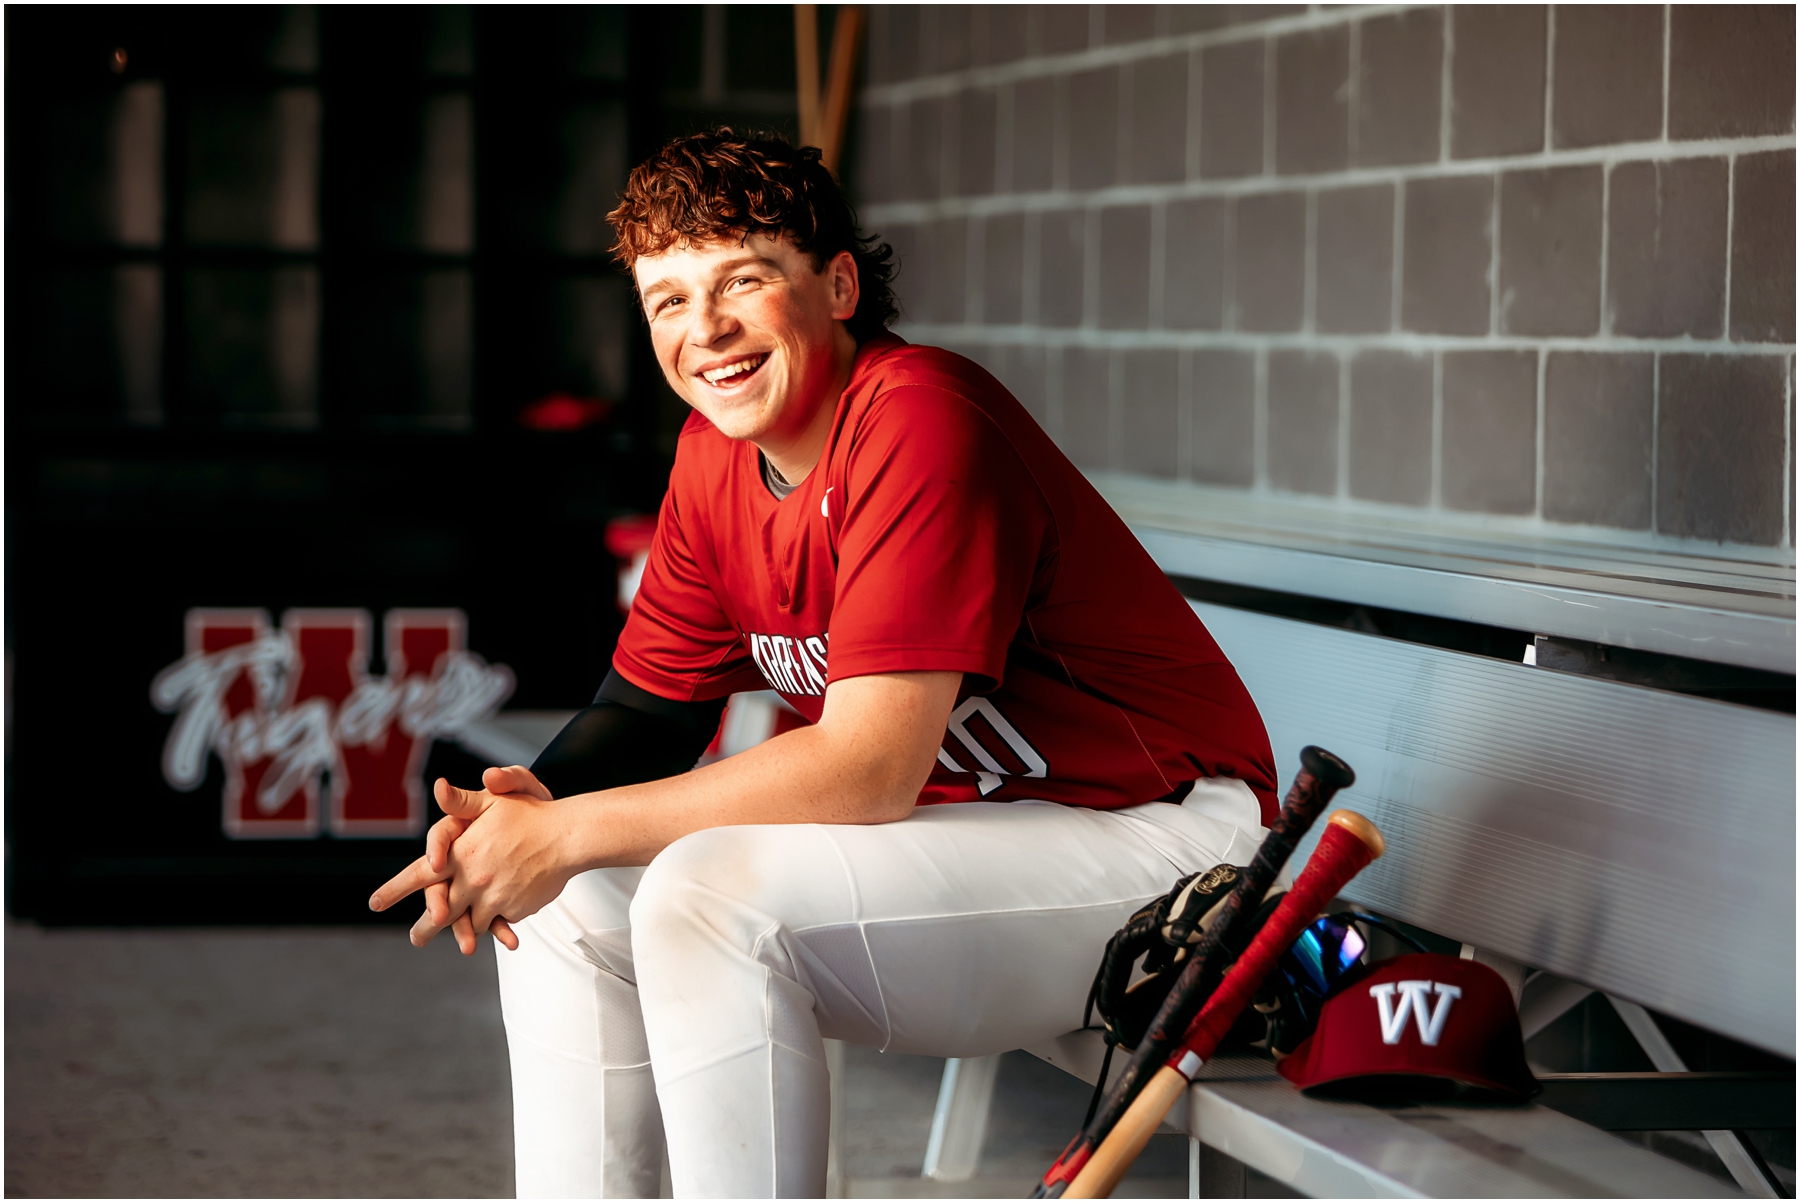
(1722,609)
(1321,1148)
(1544,818)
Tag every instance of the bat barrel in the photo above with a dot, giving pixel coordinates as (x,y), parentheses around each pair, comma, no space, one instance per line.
(1129,1136)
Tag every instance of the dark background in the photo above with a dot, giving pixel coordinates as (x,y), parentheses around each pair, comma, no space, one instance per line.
(262,355)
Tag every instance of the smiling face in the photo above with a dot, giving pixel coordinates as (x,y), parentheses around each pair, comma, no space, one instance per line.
(752,336)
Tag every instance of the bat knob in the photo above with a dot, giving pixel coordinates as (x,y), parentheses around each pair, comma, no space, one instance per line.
(1326,768)
(1365,831)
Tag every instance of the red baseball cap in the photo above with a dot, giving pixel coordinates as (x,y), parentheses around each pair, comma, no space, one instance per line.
(1422,1027)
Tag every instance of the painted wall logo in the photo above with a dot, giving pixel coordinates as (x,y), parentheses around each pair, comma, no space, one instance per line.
(296,719)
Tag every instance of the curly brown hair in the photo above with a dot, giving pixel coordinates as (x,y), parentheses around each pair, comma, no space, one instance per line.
(707,187)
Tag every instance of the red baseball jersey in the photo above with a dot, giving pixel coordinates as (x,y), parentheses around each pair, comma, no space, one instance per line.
(943,530)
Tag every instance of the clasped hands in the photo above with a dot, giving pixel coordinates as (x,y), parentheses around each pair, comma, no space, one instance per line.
(496,854)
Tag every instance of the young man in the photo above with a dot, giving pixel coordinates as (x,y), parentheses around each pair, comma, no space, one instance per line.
(1020,732)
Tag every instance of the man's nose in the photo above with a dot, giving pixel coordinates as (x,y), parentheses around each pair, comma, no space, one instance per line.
(712,321)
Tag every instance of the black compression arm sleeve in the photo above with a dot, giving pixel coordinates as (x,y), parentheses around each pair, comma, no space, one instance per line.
(628,735)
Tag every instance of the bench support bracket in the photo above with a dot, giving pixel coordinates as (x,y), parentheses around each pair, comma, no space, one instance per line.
(1746,1165)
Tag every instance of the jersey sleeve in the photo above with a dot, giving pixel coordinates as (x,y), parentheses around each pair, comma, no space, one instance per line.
(678,641)
(943,533)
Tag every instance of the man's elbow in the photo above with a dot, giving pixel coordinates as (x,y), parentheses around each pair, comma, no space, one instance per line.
(885,779)
(891,808)
(889,795)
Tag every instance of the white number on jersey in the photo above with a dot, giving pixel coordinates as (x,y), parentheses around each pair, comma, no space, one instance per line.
(988,776)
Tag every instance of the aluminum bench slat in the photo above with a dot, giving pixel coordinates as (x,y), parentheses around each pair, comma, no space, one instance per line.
(1634,840)
(1334,1149)
(1729,610)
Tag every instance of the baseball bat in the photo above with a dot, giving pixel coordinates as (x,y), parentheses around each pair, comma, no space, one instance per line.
(806,67)
(1321,775)
(838,79)
(1349,843)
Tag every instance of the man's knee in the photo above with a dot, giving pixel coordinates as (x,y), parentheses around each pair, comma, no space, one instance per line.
(711,893)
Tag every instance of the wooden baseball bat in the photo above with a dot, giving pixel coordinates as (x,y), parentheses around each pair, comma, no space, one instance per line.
(806,68)
(822,117)
(1321,775)
(1349,843)
(838,79)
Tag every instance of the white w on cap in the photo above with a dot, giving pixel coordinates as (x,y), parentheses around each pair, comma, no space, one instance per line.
(1412,1002)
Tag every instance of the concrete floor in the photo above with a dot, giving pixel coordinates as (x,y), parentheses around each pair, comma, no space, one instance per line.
(252,1063)
(341,1062)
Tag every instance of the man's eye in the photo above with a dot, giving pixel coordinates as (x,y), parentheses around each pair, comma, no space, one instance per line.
(668,304)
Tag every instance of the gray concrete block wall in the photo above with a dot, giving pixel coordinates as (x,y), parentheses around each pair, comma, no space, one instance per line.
(1523,261)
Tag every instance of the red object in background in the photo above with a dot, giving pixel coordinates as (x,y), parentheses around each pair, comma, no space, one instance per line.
(627,536)
(285,710)
(564,411)
(628,541)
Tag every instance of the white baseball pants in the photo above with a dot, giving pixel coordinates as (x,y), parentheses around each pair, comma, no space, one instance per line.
(692,997)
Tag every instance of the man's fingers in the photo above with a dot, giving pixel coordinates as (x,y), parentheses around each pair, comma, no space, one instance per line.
(514,780)
(463,803)
(423,930)
(415,876)
(464,931)
(481,911)
(437,903)
(436,917)
(443,833)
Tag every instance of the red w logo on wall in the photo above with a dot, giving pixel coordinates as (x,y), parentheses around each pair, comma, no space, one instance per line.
(296,719)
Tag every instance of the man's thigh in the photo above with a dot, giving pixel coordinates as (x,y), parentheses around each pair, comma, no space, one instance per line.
(962,930)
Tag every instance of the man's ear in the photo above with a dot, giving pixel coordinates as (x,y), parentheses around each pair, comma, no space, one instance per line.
(846,286)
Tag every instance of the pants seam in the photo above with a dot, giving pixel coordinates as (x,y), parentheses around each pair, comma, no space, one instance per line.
(865,924)
(862,933)
(522,1038)
(689,1071)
